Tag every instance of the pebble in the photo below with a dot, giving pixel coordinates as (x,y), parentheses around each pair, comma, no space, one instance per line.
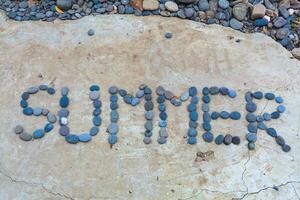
(275,115)
(267,117)
(258,11)
(240,11)
(23,103)
(272,132)
(251,107)
(203,5)
(19,129)
(85,137)
(97,121)
(37,111)
(163,133)
(171,6)
(25,136)
(282,33)
(213,90)
(63,112)
(251,145)
(192,140)
(150,4)
(205,107)
(279,140)
(72,139)
(168,95)
(33,90)
(236,140)
(147,140)
(205,91)
(192,132)
(64,4)
(296,53)
(148,133)
(260,22)
(25,96)
(224,115)
(261,126)
(281,108)
(227,139)
(195,100)
(168,35)
(148,106)
(135,101)
(250,117)
(252,127)
(269,96)
(160,91)
(185,95)
(224,4)
(113,128)
(232,93)
(148,125)
(259,118)
(139,93)
(215,115)
(278,99)
(219,139)
(48,127)
(208,137)
(189,12)
(97,103)
(258,95)
(193,116)
(235,24)
(94,88)
(28,111)
(94,95)
(235,115)
(206,99)
(161,140)
(43,87)
(113,90)
(64,91)
(91,32)
(224,90)
(94,131)
(112,139)
(51,90)
(251,137)
(279,22)
(45,112)
(51,118)
(286,148)
(39,133)
(64,130)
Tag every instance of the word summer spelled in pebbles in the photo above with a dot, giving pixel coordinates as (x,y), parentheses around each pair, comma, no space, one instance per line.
(145,94)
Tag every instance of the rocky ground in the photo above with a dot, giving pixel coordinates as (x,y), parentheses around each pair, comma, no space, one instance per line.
(277,19)
(127,51)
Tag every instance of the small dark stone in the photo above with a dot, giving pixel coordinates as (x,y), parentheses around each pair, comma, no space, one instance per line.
(251,107)
(219,139)
(168,35)
(236,140)
(227,139)
(269,96)
(286,148)
(258,95)
(208,137)
(272,132)
(72,139)
(279,140)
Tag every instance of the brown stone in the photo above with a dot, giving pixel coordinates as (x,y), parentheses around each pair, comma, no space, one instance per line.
(296,53)
(258,11)
(137,4)
(150,4)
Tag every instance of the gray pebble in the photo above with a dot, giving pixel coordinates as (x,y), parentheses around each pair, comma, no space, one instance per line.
(64,91)
(169,95)
(33,90)
(113,90)
(161,140)
(91,32)
(114,116)
(149,115)
(185,95)
(37,111)
(19,129)
(94,95)
(25,136)
(45,112)
(205,107)
(139,94)
(147,140)
(149,125)
(64,130)
(51,118)
(113,128)
(64,112)
(160,91)
(163,132)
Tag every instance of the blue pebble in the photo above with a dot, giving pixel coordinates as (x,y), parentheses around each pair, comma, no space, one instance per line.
(269,96)
(279,99)
(281,108)
(135,101)
(259,118)
(206,126)
(267,116)
(64,101)
(206,117)
(248,97)
(23,103)
(260,22)
(162,123)
(127,99)
(85,137)
(51,91)
(252,127)
(114,116)
(219,139)
(25,96)
(160,99)
(250,117)
(163,115)
(286,148)
(192,132)
(251,107)
(192,140)
(113,98)
(28,111)
(235,115)
(114,106)
(272,132)
(251,137)
(232,93)
(39,133)
(251,145)
(224,90)
(262,126)
(72,139)
(161,107)
(94,88)
(258,95)
(148,133)
(48,127)
(162,140)
(193,116)
(224,115)
(193,91)
(43,87)
(97,103)
(97,121)
(205,91)
(206,99)
(97,112)
(122,92)
(147,90)
(195,100)
(112,139)
(94,131)
(208,137)
(215,115)
(275,115)
(192,107)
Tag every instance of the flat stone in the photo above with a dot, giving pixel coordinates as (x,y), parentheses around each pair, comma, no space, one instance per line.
(113,128)
(227,139)
(64,130)
(94,131)
(169,95)
(240,11)
(37,111)
(64,91)
(39,133)
(163,132)
(235,24)
(94,95)
(85,137)
(258,11)
(51,118)
(185,95)
(150,4)
(72,139)
(33,90)
(25,136)
(171,6)
(19,129)
(64,4)
(147,140)
(296,53)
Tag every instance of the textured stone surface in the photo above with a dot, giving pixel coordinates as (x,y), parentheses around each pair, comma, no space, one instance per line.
(128,51)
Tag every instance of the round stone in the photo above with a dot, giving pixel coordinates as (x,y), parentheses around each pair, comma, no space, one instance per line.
(275,115)
(51,118)
(113,128)
(122,92)
(85,137)
(236,140)
(235,24)
(163,115)
(195,100)
(224,115)
(63,112)
(279,99)
(205,91)
(25,96)
(64,4)
(224,90)
(135,101)
(193,91)
(163,132)
(45,112)
(33,90)
(262,126)
(192,132)
(51,90)
(64,101)
(114,106)
(113,98)
(114,116)
(252,127)
(251,145)
(48,127)
(215,115)
(286,148)
(112,139)
(192,107)
(213,90)
(140,93)
(91,32)
(280,108)
(94,95)
(94,131)
(127,99)
(175,102)
(251,137)
(192,140)
(206,126)
(208,137)
(279,140)
(168,95)
(272,132)
(185,95)
(148,106)
(189,12)
(43,87)
(97,121)
(148,133)
(259,118)
(162,107)
(224,4)
(162,123)
(147,140)
(72,139)
(64,91)
(232,93)
(37,111)
(250,117)
(160,91)
(97,103)
(203,5)
(258,95)
(205,107)
(162,140)
(94,88)
(25,136)
(149,115)
(227,139)
(193,115)
(219,139)
(206,117)
(148,125)
(248,97)
(251,107)
(240,11)
(206,99)
(171,6)
(267,116)
(39,133)
(193,124)
(19,129)
(28,111)
(269,96)
(64,130)
(147,90)
(160,99)
(235,115)
(113,90)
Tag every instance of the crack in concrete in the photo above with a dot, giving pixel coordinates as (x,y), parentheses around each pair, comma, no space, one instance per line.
(212,191)
(35,184)
(295,192)
(245,169)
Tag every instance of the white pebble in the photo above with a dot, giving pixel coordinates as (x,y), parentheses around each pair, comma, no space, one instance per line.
(291,11)
(267,18)
(64,121)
